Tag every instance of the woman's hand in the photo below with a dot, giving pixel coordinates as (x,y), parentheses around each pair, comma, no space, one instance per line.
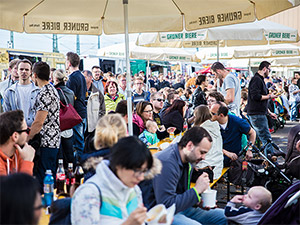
(171,129)
(137,217)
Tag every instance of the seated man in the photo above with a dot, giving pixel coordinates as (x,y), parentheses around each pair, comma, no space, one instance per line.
(232,129)
(173,184)
(15,154)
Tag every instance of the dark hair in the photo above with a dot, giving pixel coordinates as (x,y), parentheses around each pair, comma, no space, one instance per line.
(217,95)
(177,105)
(140,106)
(201,78)
(171,96)
(122,108)
(73,58)
(18,194)
(88,73)
(217,66)
(13,63)
(195,135)
(10,122)
(244,95)
(24,61)
(42,70)
(201,114)
(223,108)
(130,153)
(264,64)
(107,85)
(96,67)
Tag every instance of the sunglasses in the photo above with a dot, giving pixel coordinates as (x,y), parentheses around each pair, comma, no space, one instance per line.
(214,114)
(27,130)
(159,99)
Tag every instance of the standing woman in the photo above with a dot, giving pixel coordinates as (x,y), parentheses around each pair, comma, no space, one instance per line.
(174,116)
(66,96)
(112,97)
(120,200)
(144,112)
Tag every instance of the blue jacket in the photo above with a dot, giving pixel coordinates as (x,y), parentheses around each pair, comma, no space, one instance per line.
(12,101)
(77,84)
(172,185)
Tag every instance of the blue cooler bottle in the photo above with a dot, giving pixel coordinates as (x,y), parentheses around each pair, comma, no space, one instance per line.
(48,188)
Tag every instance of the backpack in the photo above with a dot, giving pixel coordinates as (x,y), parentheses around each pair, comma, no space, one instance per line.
(61,209)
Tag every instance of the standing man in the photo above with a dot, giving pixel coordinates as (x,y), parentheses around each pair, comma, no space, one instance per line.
(257,107)
(98,78)
(46,121)
(139,94)
(162,83)
(77,84)
(13,77)
(122,84)
(22,94)
(231,88)
(15,154)
(172,185)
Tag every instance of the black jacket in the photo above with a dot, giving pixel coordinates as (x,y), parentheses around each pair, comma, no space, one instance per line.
(67,94)
(173,119)
(198,97)
(256,89)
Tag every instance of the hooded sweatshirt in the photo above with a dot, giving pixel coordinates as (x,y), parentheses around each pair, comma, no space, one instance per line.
(14,164)
(215,155)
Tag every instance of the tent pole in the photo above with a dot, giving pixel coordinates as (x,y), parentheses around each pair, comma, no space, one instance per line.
(218,51)
(128,73)
(147,74)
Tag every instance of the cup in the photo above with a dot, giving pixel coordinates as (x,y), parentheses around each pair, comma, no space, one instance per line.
(209,198)
(157,214)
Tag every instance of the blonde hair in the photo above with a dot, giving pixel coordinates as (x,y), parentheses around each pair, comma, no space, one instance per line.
(264,197)
(60,75)
(110,128)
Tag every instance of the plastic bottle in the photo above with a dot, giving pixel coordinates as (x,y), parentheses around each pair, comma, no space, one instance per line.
(185,125)
(70,177)
(172,136)
(48,188)
(60,178)
(78,175)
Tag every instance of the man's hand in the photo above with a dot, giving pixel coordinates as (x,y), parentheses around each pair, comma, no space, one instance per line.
(232,156)
(237,199)
(137,217)
(27,152)
(171,129)
(249,155)
(202,183)
(273,116)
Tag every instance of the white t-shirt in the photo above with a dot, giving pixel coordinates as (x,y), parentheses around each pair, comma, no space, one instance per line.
(25,95)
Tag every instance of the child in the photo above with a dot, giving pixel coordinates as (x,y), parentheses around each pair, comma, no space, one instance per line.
(256,202)
(149,136)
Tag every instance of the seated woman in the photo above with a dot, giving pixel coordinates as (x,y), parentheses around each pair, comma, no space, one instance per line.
(214,158)
(174,116)
(110,128)
(120,200)
(112,97)
(144,112)
(20,199)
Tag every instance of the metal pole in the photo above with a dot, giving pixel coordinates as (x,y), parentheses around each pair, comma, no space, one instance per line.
(99,42)
(128,73)
(12,39)
(77,44)
(54,43)
(218,51)
(147,74)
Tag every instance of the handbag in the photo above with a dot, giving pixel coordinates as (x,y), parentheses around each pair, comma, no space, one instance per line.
(68,116)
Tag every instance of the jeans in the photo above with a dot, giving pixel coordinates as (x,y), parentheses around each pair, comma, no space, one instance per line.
(197,216)
(47,161)
(293,110)
(78,139)
(260,125)
(66,151)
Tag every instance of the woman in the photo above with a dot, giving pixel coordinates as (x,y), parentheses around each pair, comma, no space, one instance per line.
(214,97)
(199,96)
(174,116)
(112,97)
(121,198)
(20,199)
(110,128)
(214,158)
(144,112)
(66,96)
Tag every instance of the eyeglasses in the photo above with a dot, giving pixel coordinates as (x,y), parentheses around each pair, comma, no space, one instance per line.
(148,111)
(269,70)
(138,173)
(27,130)
(159,99)
(214,114)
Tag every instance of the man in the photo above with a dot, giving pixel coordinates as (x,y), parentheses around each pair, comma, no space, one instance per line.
(172,185)
(231,88)
(139,94)
(94,102)
(77,84)
(122,84)
(232,128)
(161,83)
(98,78)
(257,107)
(46,121)
(10,80)
(22,94)
(15,154)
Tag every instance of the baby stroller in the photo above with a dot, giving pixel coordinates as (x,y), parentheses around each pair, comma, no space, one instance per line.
(285,210)
(292,159)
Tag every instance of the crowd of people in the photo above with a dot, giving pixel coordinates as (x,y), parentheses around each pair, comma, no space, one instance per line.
(218,113)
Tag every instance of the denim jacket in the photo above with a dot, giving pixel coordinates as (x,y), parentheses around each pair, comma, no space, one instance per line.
(12,101)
